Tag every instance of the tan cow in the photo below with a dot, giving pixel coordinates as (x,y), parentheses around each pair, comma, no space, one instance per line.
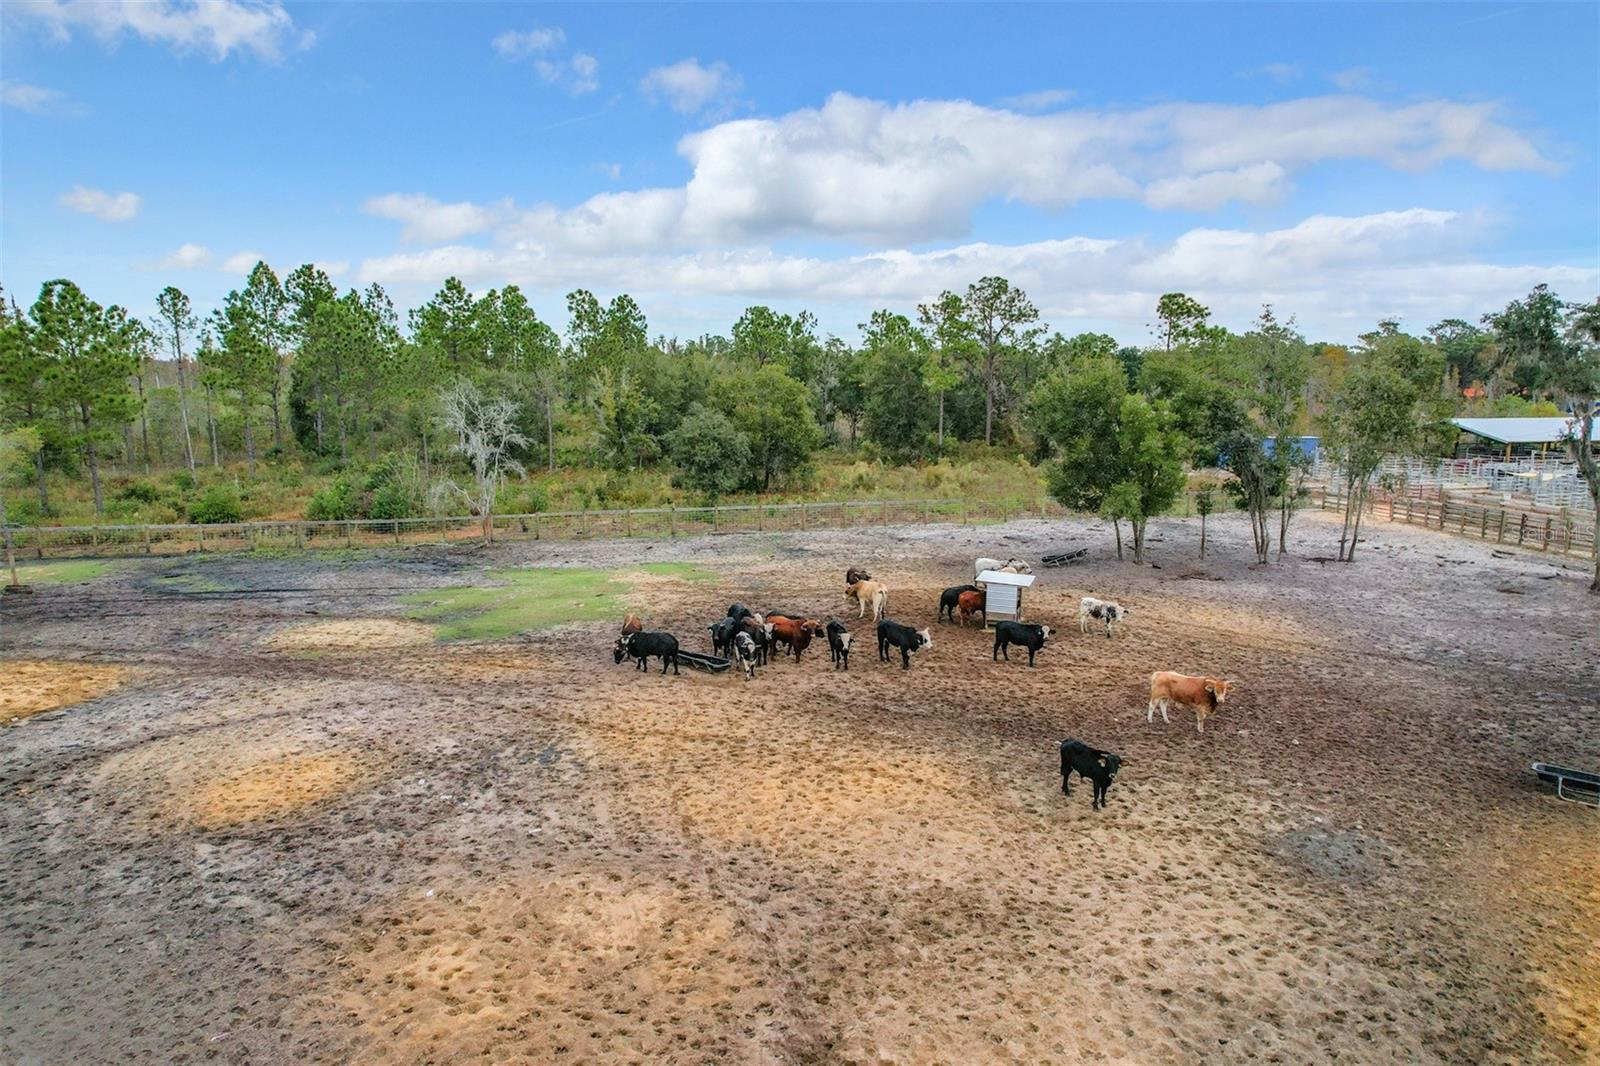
(875,593)
(1204,694)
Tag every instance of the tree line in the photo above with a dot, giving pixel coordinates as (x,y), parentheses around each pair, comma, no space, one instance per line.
(292,367)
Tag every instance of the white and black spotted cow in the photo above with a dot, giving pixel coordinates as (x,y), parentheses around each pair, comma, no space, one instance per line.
(1104,612)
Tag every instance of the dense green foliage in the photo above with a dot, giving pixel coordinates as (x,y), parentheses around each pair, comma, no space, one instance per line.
(331,401)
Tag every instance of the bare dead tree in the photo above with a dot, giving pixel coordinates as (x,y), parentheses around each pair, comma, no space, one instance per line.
(486,433)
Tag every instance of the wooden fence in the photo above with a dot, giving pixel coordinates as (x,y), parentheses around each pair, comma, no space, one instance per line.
(1547,529)
(57,542)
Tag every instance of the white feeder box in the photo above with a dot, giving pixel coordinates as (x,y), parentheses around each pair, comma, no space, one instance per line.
(1003,595)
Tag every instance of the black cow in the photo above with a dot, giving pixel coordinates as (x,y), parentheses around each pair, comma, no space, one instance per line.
(759,635)
(854,574)
(738,612)
(641,646)
(907,639)
(1091,764)
(839,644)
(722,635)
(948,599)
(1027,635)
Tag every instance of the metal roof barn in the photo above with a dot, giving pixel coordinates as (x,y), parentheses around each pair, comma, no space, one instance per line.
(1002,596)
(1517,430)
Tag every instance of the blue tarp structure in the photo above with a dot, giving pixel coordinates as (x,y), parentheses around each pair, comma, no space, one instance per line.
(1308,446)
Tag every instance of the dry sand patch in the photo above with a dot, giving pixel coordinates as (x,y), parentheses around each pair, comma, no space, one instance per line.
(602,965)
(267,789)
(35,686)
(351,634)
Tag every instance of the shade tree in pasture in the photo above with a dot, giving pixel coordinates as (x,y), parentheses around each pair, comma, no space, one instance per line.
(483,431)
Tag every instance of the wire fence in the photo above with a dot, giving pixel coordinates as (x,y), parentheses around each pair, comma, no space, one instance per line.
(1548,482)
(1562,530)
(60,542)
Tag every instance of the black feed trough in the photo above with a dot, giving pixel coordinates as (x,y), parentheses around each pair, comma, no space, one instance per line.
(1580,786)
(712,664)
(1065,558)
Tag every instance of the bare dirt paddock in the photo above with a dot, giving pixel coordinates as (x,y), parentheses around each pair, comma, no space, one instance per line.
(301,831)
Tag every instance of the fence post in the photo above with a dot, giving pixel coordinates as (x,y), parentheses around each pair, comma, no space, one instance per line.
(202,538)
(145,530)
(714,510)
(1500,538)
(1522,528)
(1546,546)
(627,522)
(300,534)
(396,523)
(924,512)
(672,520)
(805,516)
(347,532)
(1483,526)
(963,510)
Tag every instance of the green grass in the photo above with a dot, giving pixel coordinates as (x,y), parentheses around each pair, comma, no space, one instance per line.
(64,572)
(516,601)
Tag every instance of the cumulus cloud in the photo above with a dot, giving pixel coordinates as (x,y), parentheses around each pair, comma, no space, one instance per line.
(578,75)
(36,99)
(688,87)
(106,206)
(428,220)
(185,257)
(514,44)
(1338,274)
(241,262)
(876,173)
(218,28)
(1352,79)
(1043,100)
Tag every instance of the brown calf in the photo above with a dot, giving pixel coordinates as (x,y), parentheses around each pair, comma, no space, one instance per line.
(1204,694)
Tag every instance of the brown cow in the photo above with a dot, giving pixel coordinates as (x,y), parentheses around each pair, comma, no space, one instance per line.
(795,632)
(632,624)
(1204,694)
(969,604)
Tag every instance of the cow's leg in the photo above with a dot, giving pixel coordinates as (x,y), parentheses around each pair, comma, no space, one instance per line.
(1164,705)
(1030,656)
(1150,712)
(1066,782)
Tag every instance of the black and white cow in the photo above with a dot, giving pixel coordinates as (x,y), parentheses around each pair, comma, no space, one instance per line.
(744,653)
(839,644)
(1091,764)
(760,633)
(1091,610)
(1028,636)
(641,646)
(908,640)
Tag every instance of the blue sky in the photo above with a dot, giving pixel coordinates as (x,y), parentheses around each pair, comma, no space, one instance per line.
(1343,162)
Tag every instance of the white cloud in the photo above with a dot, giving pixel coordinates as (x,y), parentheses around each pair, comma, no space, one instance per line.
(1256,183)
(36,99)
(332,267)
(218,28)
(688,86)
(427,220)
(1339,275)
(578,75)
(241,262)
(1043,100)
(868,171)
(184,257)
(610,170)
(106,206)
(514,44)
(1282,73)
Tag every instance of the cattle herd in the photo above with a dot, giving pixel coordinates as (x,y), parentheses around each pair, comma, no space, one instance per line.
(749,639)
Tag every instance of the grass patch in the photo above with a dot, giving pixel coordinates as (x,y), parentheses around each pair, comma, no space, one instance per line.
(536,598)
(64,572)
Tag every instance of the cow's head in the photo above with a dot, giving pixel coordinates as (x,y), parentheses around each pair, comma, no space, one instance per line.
(766,627)
(924,639)
(744,645)
(1118,612)
(620,651)
(1112,763)
(1218,688)
(844,641)
(816,629)
(1046,632)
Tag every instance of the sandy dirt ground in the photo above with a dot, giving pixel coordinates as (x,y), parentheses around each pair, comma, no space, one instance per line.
(294,830)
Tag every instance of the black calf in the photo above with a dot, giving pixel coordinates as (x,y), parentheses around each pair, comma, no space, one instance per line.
(948,599)
(839,645)
(905,638)
(1028,636)
(1091,764)
(641,646)
(722,635)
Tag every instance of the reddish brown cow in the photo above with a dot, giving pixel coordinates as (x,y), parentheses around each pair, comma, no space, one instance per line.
(969,604)
(795,632)
(632,624)
(1204,694)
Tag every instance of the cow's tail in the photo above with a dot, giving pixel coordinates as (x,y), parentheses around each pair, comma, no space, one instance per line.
(880,601)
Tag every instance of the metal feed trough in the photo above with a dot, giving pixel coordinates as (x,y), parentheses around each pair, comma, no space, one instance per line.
(1579,786)
(1002,596)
